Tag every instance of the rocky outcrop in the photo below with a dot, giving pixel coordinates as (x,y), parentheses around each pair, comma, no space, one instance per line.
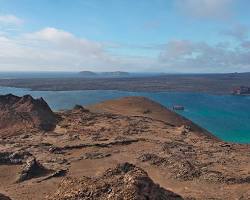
(13,158)
(3,197)
(115,142)
(95,155)
(32,169)
(126,181)
(79,107)
(20,113)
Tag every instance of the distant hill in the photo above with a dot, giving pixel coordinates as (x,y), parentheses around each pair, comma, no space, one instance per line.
(141,106)
(87,73)
(104,74)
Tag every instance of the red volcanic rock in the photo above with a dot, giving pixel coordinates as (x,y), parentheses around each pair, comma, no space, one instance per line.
(126,181)
(32,169)
(19,113)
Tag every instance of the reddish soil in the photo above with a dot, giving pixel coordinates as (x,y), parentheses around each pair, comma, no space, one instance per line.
(162,147)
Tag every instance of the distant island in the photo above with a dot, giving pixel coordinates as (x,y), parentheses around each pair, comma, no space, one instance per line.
(88,73)
(202,83)
(104,74)
(116,73)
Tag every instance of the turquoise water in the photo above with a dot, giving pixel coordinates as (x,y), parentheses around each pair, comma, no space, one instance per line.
(226,116)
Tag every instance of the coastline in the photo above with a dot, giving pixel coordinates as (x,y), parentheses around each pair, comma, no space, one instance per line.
(200,83)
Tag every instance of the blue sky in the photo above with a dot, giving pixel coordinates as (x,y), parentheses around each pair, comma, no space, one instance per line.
(106,35)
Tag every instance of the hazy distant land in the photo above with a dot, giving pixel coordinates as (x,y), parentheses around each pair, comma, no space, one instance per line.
(104,74)
(210,83)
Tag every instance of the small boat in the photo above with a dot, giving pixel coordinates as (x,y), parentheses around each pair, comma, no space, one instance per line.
(178,107)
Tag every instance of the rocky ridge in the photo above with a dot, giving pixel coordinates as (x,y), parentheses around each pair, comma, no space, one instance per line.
(19,113)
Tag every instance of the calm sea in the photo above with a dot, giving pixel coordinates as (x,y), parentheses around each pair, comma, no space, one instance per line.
(226,116)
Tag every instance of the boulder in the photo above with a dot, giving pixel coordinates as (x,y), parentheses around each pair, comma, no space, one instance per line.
(32,169)
(13,158)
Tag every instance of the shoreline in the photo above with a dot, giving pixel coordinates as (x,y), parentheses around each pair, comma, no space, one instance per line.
(124,90)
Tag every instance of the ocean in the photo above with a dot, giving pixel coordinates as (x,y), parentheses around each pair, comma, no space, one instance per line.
(226,116)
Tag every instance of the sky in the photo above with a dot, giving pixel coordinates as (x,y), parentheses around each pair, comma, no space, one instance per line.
(172,36)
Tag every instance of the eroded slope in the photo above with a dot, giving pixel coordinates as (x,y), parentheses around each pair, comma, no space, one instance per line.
(84,144)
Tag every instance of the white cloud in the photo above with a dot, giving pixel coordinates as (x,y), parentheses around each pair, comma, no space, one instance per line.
(53,49)
(10,20)
(205,8)
(65,41)
(201,57)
